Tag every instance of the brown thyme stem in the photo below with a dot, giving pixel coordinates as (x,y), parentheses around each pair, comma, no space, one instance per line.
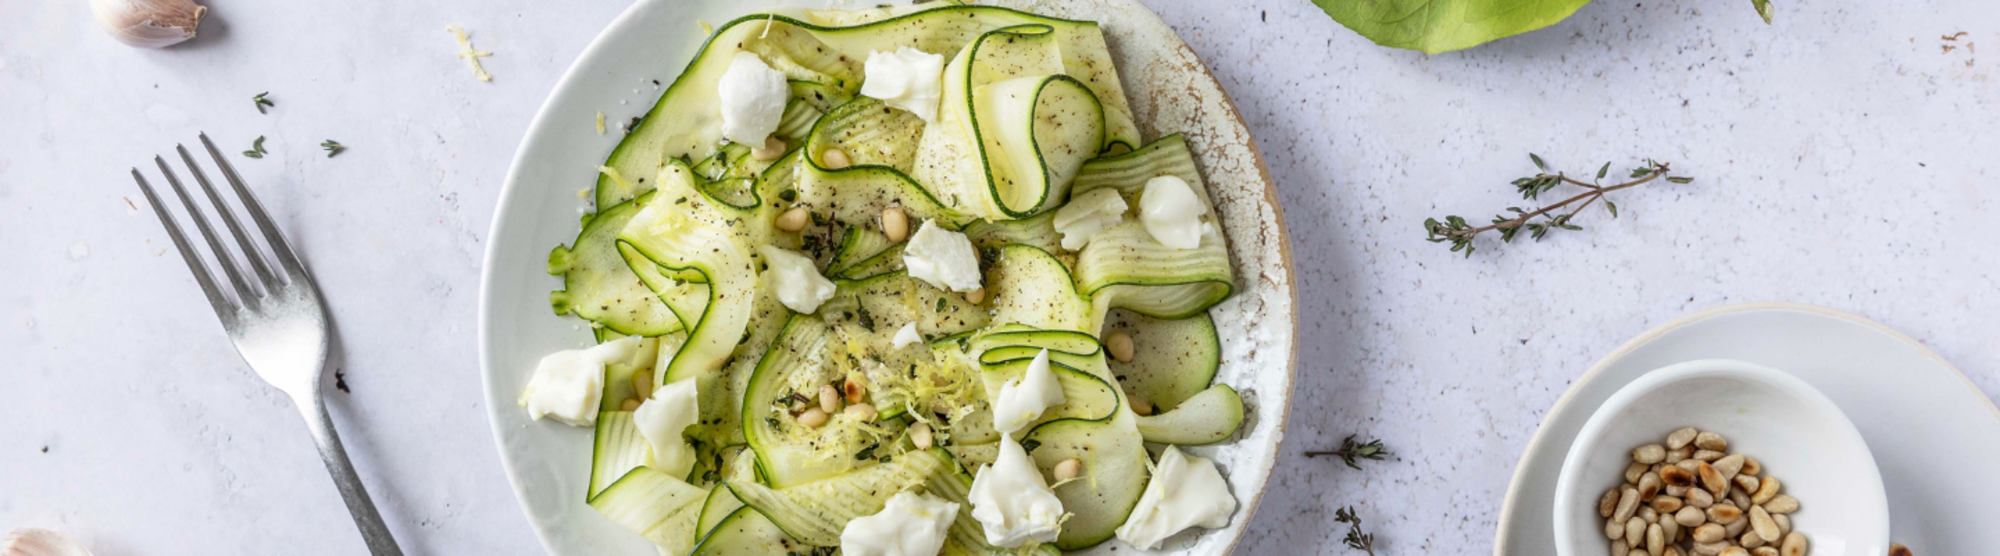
(1594,193)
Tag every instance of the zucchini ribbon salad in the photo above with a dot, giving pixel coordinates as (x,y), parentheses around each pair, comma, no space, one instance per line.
(897,281)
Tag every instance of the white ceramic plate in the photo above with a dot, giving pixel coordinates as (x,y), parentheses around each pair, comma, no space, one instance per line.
(1935,437)
(1169,89)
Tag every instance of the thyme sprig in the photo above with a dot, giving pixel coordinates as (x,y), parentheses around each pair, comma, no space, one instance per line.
(1351,451)
(262,102)
(1541,221)
(1356,538)
(256,148)
(332,147)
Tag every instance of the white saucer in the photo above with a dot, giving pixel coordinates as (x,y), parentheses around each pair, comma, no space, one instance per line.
(1935,437)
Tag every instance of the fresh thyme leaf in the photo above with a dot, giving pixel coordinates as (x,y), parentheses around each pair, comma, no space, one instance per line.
(262,102)
(1680,179)
(1356,538)
(1604,170)
(1763,9)
(1351,452)
(332,147)
(1539,222)
(1030,445)
(256,148)
(940,305)
(1538,162)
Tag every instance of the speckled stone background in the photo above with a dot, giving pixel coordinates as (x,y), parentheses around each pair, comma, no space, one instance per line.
(1843,157)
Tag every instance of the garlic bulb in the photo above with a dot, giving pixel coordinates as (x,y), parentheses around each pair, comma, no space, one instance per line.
(40,542)
(148,23)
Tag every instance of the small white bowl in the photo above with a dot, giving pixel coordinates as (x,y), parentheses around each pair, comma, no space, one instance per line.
(1798,435)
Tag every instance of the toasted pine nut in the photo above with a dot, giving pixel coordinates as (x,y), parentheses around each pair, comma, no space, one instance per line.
(1894,550)
(629,405)
(1740,497)
(1614,530)
(1773,551)
(1710,441)
(834,159)
(1069,469)
(1673,551)
(1751,466)
(1690,516)
(1676,476)
(1736,529)
(1710,548)
(1729,466)
(975,296)
(1707,455)
(1670,529)
(1689,464)
(813,418)
(1781,504)
(1699,498)
(1765,491)
(1711,479)
(1656,540)
(1635,532)
(1648,514)
(1634,471)
(853,390)
(1784,522)
(1760,521)
(1677,454)
(1680,438)
(1794,545)
(1638,551)
(1608,503)
(1120,346)
(863,410)
(1649,487)
(793,220)
(1142,407)
(1724,513)
(1628,504)
(829,398)
(772,149)
(1747,483)
(1734,551)
(1708,533)
(1674,491)
(895,224)
(920,435)
(1666,504)
(642,384)
(1649,454)
(1751,540)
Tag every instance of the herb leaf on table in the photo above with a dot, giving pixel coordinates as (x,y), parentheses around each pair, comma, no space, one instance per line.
(1539,222)
(1351,452)
(1356,538)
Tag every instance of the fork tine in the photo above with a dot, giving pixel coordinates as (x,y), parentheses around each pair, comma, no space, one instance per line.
(229,220)
(294,270)
(222,305)
(228,263)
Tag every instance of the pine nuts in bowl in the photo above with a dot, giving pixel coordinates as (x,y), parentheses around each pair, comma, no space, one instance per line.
(1735,412)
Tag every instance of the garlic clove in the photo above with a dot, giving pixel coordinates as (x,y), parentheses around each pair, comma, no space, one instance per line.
(40,542)
(148,23)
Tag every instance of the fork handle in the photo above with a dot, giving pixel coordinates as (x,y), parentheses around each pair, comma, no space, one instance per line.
(373,532)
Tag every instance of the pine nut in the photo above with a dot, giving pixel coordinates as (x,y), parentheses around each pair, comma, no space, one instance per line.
(1751,466)
(1766,491)
(1618,546)
(1648,514)
(1689,464)
(895,224)
(642,384)
(629,405)
(1746,483)
(1710,441)
(1677,454)
(920,435)
(1680,438)
(1781,504)
(1724,513)
(1634,471)
(1649,487)
(1615,530)
(1069,469)
(813,418)
(1729,465)
(1740,497)
(834,159)
(1699,498)
(1608,503)
(1794,545)
(1635,532)
(1666,504)
(1735,551)
(853,390)
(1711,479)
(1142,407)
(1773,551)
(1675,476)
(1707,455)
(1894,550)
(1673,551)
(1656,540)
(1710,548)
(1670,529)
(1637,551)
(1708,533)
(772,149)
(975,296)
(1676,492)
(1751,540)
(1628,504)
(1119,344)
(1760,520)
(1735,529)
(865,411)
(1649,454)
(1690,516)
(1784,522)
(793,220)
(829,399)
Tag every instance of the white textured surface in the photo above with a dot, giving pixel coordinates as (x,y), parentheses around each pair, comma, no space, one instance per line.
(1842,158)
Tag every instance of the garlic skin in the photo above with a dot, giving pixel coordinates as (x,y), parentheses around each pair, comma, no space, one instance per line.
(40,542)
(148,23)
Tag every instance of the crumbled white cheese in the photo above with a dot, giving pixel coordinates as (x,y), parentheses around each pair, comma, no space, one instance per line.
(1185,491)
(753,99)
(906,78)
(568,385)
(1011,500)
(661,419)
(906,336)
(1022,399)
(910,525)
(943,258)
(797,282)
(1172,212)
(1087,214)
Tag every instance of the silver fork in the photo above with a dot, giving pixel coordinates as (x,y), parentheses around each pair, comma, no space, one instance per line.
(275,320)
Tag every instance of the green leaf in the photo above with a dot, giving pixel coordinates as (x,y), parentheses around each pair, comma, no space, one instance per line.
(1604,170)
(1538,162)
(1763,9)
(1680,179)
(1613,207)
(1434,26)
